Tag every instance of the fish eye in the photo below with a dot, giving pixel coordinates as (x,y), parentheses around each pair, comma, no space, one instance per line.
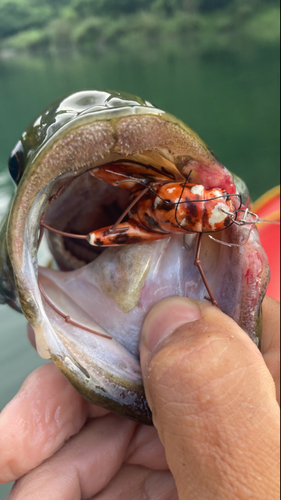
(16,163)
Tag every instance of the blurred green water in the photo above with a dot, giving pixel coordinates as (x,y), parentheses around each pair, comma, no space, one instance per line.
(233,103)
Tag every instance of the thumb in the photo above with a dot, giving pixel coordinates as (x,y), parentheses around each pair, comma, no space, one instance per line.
(213,402)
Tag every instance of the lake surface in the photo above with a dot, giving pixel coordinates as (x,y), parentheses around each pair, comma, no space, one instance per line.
(233,103)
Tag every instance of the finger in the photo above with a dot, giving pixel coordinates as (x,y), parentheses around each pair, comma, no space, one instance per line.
(146,449)
(271,339)
(139,483)
(84,466)
(213,402)
(42,416)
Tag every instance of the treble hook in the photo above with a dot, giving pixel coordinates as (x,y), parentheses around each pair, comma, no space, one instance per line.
(243,222)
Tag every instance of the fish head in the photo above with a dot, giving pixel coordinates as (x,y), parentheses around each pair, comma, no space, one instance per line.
(108,292)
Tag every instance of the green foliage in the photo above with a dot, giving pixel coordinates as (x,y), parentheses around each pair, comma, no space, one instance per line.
(86,8)
(18,15)
(264,27)
(137,25)
(32,40)
(210,5)
(183,23)
(167,6)
(89,31)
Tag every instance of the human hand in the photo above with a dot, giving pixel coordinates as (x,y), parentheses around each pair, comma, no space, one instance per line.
(213,399)
(214,406)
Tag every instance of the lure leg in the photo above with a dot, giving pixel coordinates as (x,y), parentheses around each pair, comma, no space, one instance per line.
(127,210)
(124,233)
(67,318)
(129,232)
(197,263)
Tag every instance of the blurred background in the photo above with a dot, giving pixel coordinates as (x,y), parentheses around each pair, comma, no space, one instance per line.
(212,63)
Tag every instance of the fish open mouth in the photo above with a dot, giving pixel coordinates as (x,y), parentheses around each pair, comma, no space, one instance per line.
(87,310)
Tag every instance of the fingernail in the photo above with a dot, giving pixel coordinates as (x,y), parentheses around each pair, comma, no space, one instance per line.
(166,317)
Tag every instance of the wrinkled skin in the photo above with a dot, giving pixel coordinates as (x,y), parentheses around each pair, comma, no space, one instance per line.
(112,292)
(111,458)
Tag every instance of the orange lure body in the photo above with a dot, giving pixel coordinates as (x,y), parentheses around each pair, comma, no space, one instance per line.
(159,207)
(163,209)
